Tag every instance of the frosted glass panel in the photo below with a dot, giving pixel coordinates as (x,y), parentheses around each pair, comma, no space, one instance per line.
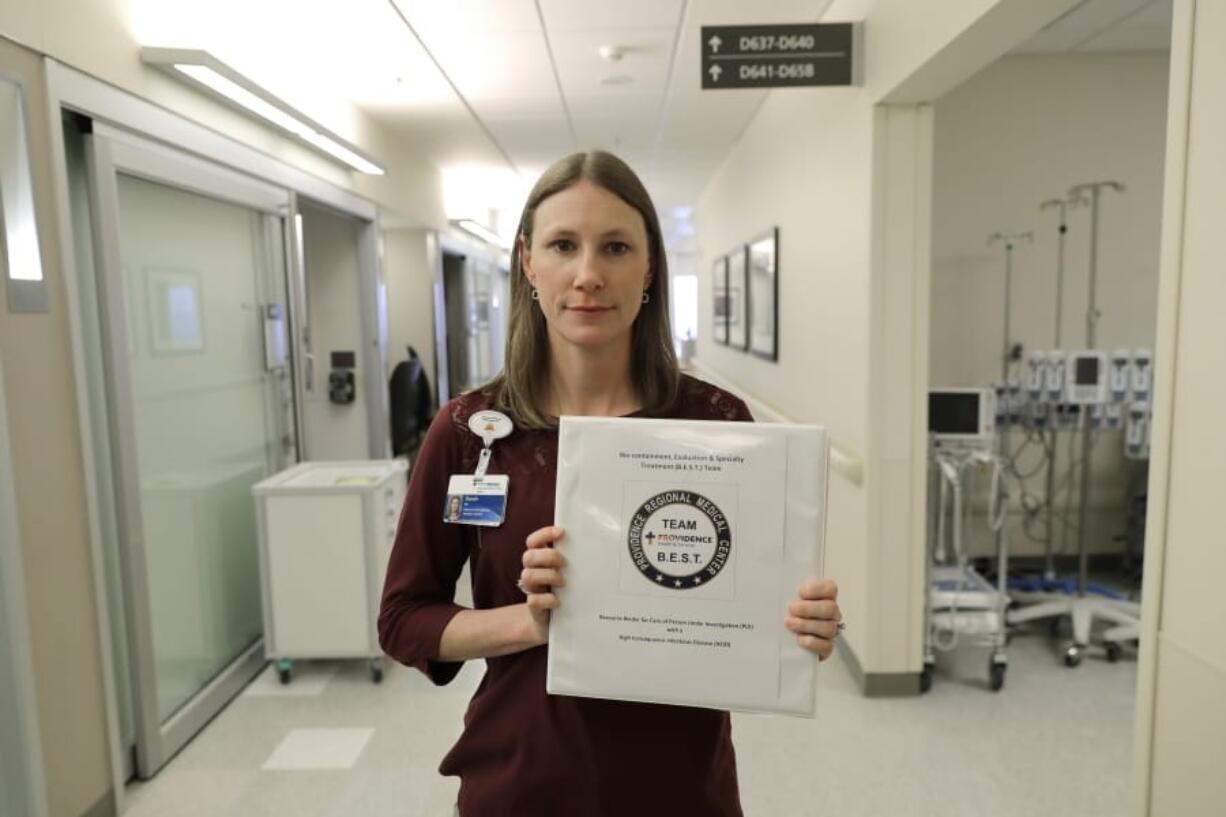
(209,411)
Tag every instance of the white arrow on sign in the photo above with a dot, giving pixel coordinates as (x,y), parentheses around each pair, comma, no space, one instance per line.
(715,72)
(715,42)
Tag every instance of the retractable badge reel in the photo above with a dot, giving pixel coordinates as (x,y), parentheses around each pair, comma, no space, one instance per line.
(480,499)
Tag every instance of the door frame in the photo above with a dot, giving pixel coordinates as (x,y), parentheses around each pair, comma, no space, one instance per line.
(110,152)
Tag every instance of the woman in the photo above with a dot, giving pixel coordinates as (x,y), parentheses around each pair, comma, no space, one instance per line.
(589,335)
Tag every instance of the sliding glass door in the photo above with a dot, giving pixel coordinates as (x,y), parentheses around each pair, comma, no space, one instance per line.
(191,284)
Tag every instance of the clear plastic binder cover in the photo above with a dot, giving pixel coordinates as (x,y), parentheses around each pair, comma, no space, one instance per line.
(685,541)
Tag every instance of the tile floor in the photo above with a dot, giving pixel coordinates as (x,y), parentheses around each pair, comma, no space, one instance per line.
(1054,742)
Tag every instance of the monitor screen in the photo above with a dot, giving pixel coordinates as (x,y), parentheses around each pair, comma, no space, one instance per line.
(1087,371)
(953,412)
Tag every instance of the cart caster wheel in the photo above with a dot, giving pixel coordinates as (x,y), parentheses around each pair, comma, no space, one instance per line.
(1114,651)
(1072,655)
(283,672)
(926,677)
(996,675)
(376,673)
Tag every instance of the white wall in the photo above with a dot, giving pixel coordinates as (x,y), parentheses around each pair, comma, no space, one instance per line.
(1020,132)
(333,432)
(1181,719)
(807,163)
(408,270)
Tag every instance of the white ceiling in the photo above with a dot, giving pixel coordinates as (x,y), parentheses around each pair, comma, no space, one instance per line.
(532,75)
(498,89)
(1106,25)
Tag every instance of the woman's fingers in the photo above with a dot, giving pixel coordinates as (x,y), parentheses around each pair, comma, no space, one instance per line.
(544,537)
(823,647)
(821,628)
(543,557)
(542,601)
(826,609)
(817,589)
(536,580)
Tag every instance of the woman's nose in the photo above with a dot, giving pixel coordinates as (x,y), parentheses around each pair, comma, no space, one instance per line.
(589,274)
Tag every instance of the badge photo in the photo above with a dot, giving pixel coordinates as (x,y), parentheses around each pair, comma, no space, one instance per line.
(476,500)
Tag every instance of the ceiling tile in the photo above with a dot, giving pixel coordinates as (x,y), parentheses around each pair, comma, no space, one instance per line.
(581,105)
(572,15)
(471,15)
(616,132)
(581,68)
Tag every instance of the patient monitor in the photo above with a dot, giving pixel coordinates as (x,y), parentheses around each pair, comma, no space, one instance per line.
(962,415)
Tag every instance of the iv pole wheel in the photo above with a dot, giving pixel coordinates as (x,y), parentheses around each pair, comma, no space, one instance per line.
(996,674)
(1114,651)
(1072,655)
(926,676)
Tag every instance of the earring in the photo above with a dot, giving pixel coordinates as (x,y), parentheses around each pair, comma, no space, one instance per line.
(536,296)
(646,296)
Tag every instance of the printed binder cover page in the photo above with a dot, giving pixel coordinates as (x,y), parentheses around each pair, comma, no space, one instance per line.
(684,543)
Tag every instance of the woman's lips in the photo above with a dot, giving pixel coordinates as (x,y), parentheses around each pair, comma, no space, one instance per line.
(590,310)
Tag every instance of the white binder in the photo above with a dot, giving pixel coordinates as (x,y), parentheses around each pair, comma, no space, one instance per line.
(685,541)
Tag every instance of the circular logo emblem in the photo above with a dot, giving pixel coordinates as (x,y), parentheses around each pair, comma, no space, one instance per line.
(679,539)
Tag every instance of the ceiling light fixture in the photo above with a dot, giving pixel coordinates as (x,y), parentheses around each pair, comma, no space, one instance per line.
(479,230)
(611,53)
(202,70)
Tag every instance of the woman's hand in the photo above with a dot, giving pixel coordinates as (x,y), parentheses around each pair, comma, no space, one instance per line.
(814,616)
(541,574)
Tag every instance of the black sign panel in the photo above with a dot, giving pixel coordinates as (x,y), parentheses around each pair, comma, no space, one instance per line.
(777,56)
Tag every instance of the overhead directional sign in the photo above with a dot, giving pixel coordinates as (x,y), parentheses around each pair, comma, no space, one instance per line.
(779,56)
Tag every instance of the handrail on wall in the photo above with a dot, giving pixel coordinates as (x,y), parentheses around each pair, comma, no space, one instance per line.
(843,460)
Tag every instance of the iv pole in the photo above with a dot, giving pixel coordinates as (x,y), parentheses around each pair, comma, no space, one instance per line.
(1092,315)
(1009,239)
(1082,610)
(1049,560)
(1002,557)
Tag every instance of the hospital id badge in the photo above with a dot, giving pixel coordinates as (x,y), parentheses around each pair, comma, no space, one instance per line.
(476,500)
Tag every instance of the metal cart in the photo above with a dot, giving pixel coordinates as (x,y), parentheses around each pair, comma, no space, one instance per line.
(326,530)
(963,607)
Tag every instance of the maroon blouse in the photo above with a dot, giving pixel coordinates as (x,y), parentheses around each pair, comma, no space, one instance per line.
(524,752)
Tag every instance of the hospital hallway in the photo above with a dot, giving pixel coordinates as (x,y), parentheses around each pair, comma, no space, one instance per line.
(332,743)
(376,380)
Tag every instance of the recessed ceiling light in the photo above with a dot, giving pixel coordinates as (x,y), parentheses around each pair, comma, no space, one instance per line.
(617,79)
(611,53)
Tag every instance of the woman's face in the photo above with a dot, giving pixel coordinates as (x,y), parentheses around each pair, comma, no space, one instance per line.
(590,262)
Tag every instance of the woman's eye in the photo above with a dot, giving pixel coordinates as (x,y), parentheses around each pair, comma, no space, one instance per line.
(563,245)
(618,248)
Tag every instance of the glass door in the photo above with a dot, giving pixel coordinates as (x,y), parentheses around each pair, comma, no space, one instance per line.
(191,274)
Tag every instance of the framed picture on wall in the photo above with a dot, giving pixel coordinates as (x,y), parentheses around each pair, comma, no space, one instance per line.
(738,300)
(719,300)
(763,263)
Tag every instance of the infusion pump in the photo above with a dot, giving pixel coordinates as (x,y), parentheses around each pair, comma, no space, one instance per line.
(1059,389)
(1086,378)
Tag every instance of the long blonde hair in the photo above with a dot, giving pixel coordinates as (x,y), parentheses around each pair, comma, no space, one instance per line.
(521,390)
